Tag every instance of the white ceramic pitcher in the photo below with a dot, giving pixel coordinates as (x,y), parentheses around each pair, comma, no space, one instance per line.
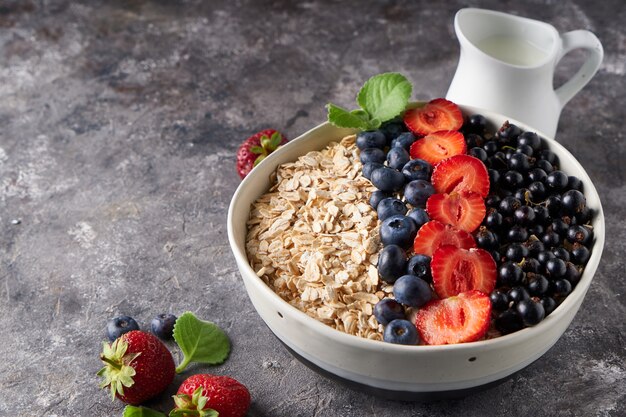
(507,66)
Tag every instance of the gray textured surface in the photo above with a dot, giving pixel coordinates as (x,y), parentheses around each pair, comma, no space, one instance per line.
(119,121)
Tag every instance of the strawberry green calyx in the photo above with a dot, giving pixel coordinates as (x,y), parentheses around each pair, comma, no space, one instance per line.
(117,372)
(268,145)
(193,406)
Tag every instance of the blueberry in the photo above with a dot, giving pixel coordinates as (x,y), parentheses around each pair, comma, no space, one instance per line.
(525,149)
(401,332)
(548,155)
(573,183)
(372,155)
(509,204)
(572,273)
(486,239)
(579,254)
(517,234)
(393,129)
(119,325)
(419,215)
(545,166)
(403,140)
(555,268)
(397,158)
(388,179)
(390,206)
(531,312)
(417,169)
(398,230)
(417,192)
(371,139)
(387,310)
(493,220)
(370,167)
(163,326)
(512,179)
(473,140)
(562,288)
(537,189)
(491,147)
(517,294)
(391,263)
(508,132)
(419,265)
(524,215)
(412,291)
(376,197)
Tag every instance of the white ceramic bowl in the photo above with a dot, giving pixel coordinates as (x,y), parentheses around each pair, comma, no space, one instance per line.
(397,371)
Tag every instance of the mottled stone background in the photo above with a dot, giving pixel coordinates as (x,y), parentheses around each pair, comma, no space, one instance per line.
(119,122)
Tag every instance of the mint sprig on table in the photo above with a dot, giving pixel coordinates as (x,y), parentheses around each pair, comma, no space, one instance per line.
(382,97)
(200,341)
(132,411)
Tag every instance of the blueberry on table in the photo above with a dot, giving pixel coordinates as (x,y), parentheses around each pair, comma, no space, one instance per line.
(417,192)
(412,291)
(390,206)
(398,230)
(391,263)
(163,326)
(387,310)
(417,169)
(119,325)
(371,139)
(388,179)
(401,332)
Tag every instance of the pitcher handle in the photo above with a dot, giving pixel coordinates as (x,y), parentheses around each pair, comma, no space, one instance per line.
(579,39)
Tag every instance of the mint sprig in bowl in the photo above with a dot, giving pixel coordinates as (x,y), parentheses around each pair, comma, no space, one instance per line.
(388,370)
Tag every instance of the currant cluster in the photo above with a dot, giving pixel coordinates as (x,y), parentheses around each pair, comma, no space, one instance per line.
(537,226)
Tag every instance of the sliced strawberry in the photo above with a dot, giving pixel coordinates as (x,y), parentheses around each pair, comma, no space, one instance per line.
(438,114)
(437,146)
(463,210)
(458,319)
(456,270)
(434,234)
(461,173)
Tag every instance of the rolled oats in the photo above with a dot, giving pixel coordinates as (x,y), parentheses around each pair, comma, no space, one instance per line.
(313,240)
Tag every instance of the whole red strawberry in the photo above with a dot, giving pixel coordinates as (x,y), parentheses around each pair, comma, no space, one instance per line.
(137,366)
(256,148)
(202,394)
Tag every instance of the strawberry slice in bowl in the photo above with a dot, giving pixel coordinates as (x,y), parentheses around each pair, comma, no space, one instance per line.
(437,146)
(463,210)
(457,319)
(434,234)
(461,173)
(456,270)
(438,114)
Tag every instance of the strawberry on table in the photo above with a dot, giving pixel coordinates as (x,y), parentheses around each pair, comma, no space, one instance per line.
(204,395)
(463,210)
(461,173)
(437,146)
(254,149)
(457,319)
(456,270)
(434,234)
(438,114)
(137,367)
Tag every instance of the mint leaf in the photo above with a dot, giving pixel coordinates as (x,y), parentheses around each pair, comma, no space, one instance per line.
(384,96)
(341,117)
(200,341)
(132,411)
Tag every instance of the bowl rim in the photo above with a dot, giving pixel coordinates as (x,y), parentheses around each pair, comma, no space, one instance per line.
(364,343)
